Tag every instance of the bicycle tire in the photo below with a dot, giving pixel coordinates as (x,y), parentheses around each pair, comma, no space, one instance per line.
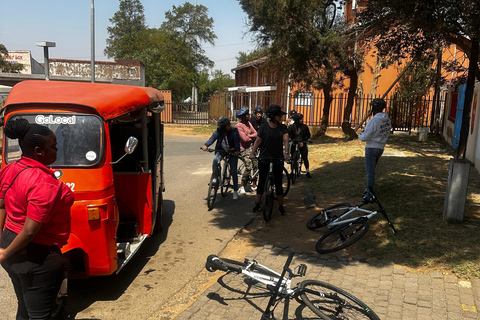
(226,177)
(286,182)
(330,302)
(342,236)
(212,193)
(319,220)
(268,197)
(294,173)
(241,169)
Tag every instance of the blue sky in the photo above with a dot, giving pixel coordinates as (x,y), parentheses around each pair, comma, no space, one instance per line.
(67,22)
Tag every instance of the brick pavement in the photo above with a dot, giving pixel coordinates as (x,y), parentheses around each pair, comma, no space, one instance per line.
(391,291)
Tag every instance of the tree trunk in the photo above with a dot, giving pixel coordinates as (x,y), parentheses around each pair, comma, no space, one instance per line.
(327,92)
(347,112)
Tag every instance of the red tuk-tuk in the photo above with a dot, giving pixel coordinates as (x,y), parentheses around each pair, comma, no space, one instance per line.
(110,153)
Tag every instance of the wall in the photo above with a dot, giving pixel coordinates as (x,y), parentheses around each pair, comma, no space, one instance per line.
(130,69)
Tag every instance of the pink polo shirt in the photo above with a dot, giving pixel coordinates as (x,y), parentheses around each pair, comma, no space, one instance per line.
(247,134)
(37,194)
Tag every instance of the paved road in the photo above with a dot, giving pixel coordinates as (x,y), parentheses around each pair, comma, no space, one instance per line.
(168,260)
(389,289)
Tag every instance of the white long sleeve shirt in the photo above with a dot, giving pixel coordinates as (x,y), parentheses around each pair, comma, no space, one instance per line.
(377,131)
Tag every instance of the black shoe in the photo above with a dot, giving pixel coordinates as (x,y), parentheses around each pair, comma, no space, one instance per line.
(308,175)
(281,211)
(367,197)
(256,208)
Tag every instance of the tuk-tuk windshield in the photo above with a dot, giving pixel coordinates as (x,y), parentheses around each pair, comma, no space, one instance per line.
(79,138)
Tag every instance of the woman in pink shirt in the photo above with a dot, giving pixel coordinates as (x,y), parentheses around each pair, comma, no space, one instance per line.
(247,136)
(35,219)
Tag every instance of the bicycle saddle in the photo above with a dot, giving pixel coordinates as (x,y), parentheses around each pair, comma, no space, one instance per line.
(213,264)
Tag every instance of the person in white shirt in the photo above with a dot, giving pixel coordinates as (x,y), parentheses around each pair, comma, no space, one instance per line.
(375,135)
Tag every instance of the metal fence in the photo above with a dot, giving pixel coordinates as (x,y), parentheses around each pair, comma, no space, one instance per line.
(188,113)
(406,114)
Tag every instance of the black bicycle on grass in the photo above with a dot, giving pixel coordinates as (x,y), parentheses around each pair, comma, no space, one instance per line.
(296,162)
(347,224)
(220,178)
(323,299)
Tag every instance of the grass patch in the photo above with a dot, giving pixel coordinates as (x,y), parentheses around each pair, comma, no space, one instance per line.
(410,182)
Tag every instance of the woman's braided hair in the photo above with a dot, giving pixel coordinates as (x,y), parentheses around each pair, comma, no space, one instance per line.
(29,135)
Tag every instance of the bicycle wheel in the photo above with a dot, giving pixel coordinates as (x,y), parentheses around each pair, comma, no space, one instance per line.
(268,197)
(330,302)
(342,236)
(240,169)
(294,173)
(285,181)
(325,216)
(212,192)
(226,177)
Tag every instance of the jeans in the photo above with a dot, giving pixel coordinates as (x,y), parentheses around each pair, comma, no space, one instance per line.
(232,160)
(36,273)
(371,159)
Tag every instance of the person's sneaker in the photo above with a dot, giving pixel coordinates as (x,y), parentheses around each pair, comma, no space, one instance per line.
(235,195)
(281,211)
(308,175)
(241,190)
(367,197)
(257,207)
(254,189)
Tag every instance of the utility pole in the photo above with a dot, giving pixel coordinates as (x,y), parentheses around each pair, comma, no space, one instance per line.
(194,87)
(92,36)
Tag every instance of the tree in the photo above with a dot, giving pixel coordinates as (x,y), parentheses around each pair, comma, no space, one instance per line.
(308,44)
(418,27)
(191,25)
(128,24)
(244,57)
(6,66)
(216,82)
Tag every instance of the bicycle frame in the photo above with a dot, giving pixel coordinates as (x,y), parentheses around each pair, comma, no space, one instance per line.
(340,220)
(285,286)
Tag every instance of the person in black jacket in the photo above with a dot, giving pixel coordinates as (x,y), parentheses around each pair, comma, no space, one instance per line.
(227,140)
(299,134)
(258,118)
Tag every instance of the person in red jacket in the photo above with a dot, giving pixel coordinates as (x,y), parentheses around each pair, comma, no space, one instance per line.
(247,137)
(35,212)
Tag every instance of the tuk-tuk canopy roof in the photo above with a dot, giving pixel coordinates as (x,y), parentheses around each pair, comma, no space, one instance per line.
(110,100)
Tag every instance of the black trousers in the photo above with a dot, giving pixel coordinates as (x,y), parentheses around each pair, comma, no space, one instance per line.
(277,170)
(36,273)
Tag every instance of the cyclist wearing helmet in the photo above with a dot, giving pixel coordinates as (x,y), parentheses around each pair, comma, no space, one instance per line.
(375,135)
(228,141)
(258,119)
(272,138)
(299,133)
(247,136)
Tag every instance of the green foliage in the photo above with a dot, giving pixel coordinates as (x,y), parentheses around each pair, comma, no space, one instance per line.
(244,57)
(6,66)
(413,28)
(125,33)
(417,80)
(209,84)
(172,54)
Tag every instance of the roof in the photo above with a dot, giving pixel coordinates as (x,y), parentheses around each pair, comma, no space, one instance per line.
(250,64)
(109,100)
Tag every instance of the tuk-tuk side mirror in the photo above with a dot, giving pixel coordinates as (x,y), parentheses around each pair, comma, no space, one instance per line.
(131,145)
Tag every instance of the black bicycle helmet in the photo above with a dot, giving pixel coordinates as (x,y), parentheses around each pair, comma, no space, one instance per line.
(242,112)
(378,104)
(292,113)
(258,109)
(274,110)
(223,122)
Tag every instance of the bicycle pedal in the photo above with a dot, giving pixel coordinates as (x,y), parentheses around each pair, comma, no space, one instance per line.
(301,270)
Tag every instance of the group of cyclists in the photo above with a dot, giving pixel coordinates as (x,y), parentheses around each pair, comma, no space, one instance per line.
(263,132)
